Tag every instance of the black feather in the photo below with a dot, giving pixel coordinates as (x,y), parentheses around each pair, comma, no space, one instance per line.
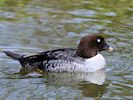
(13,55)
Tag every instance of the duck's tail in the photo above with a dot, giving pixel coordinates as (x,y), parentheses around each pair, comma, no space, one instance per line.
(24,61)
(14,55)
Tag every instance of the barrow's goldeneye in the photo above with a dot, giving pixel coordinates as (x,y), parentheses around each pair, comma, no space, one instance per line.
(83,59)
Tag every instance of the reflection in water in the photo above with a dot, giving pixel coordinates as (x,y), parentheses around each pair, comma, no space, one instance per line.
(90,84)
(68,78)
(74,78)
(92,90)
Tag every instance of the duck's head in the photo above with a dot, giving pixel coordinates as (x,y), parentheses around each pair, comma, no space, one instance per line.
(91,44)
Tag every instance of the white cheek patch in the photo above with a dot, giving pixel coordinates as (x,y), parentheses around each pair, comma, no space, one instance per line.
(98,40)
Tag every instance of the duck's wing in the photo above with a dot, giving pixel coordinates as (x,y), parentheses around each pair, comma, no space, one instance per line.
(56,60)
(51,55)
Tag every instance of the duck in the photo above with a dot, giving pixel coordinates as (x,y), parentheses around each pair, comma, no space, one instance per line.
(85,58)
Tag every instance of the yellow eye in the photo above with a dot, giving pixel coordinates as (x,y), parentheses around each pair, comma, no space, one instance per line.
(98,40)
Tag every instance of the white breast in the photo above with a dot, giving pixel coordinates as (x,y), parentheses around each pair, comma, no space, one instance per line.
(95,63)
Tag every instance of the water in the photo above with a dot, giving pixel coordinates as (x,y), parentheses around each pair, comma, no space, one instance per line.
(29,26)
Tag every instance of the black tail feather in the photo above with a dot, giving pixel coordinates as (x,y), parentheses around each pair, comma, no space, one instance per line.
(26,62)
(13,55)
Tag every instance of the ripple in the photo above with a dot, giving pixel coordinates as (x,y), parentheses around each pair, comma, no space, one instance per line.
(33,25)
(83,12)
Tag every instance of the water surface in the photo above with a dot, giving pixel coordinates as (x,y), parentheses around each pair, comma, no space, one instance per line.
(29,26)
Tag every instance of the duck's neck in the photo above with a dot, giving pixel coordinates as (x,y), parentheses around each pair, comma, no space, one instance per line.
(84,53)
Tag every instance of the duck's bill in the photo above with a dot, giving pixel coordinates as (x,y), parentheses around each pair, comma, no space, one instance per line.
(107,47)
(110,49)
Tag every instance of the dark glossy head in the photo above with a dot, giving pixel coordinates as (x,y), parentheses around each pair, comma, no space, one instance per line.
(90,45)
